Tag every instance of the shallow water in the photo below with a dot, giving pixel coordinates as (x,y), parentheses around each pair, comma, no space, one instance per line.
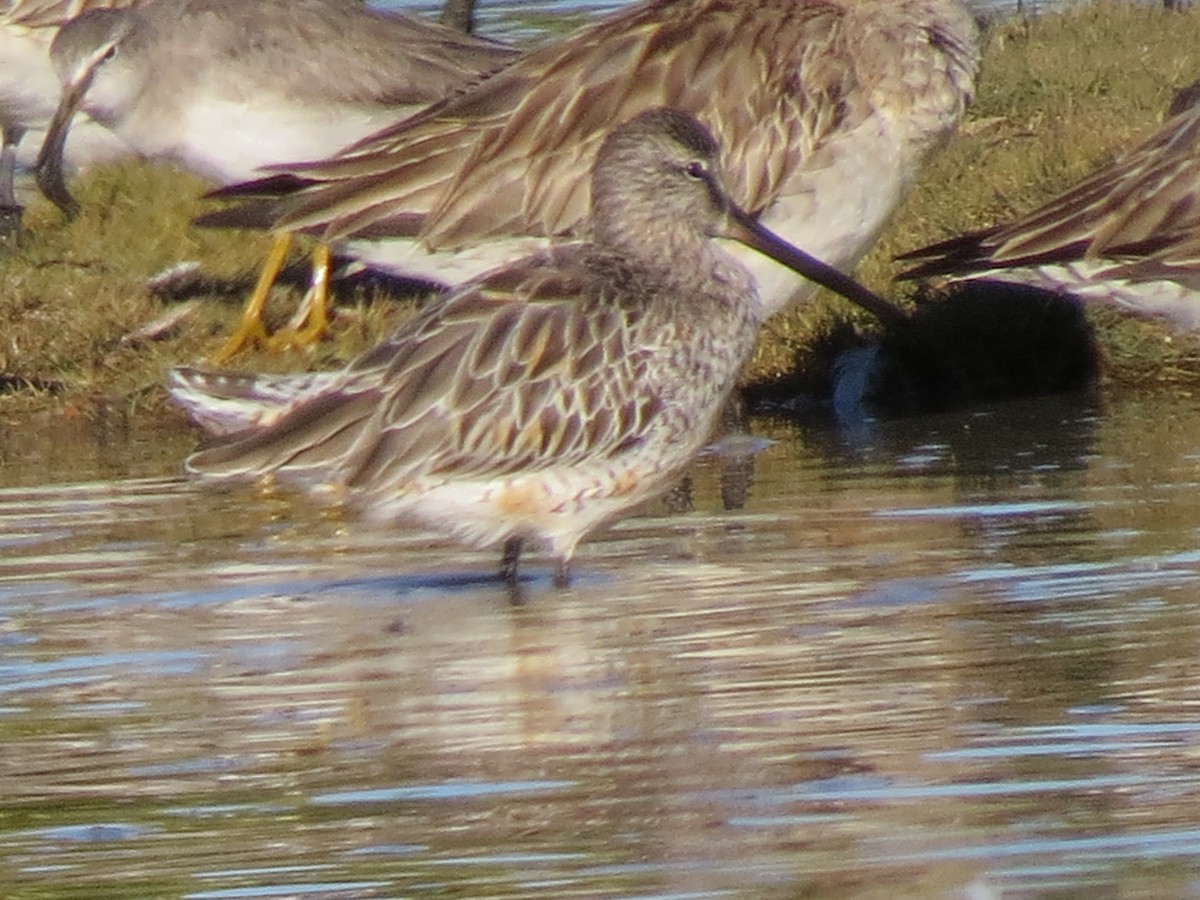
(950,656)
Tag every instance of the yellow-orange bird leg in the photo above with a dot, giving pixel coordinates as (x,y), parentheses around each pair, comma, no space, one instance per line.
(311,321)
(251,331)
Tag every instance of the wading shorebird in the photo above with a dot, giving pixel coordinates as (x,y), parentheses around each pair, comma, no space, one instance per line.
(825,110)
(545,398)
(29,90)
(225,87)
(1128,234)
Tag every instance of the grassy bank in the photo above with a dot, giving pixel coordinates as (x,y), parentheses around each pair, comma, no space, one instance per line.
(1059,95)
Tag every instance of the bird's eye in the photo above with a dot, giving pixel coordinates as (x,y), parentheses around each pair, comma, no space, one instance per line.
(111,53)
(696,170)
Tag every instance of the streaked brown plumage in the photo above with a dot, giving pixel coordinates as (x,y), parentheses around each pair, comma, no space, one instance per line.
(824,109)
(1128,234)
(547,397)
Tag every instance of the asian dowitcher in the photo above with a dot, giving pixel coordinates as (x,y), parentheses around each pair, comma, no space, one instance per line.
(227,86)
(1128,234)
(824,109)
(29,90)
(545,398)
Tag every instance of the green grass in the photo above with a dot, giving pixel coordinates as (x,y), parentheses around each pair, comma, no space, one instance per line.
(1059,95)
(73,293)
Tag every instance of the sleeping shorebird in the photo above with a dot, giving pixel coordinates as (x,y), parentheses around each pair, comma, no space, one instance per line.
(547,397)
(29,89)
(824,109)
(1127,234)
(227,86)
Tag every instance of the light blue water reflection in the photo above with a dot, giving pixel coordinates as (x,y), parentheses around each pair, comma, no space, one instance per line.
(971,676)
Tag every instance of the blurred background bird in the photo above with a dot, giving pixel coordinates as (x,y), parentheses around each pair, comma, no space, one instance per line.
(825,112)
(224,87)
(29,92)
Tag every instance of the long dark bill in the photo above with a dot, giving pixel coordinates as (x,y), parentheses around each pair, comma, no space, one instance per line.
(49,166)
(740,226)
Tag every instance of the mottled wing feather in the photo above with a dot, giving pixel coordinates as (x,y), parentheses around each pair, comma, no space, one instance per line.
(512,155)
(1150,191)
(225,402)
(508,398)
(1122,203)
(1171,256)
(503,378)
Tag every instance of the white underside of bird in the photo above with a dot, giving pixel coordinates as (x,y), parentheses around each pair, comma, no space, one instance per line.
(252,132)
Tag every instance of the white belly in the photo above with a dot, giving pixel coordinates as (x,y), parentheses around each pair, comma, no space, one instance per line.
(555,507)
(230,141)
(28,85)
